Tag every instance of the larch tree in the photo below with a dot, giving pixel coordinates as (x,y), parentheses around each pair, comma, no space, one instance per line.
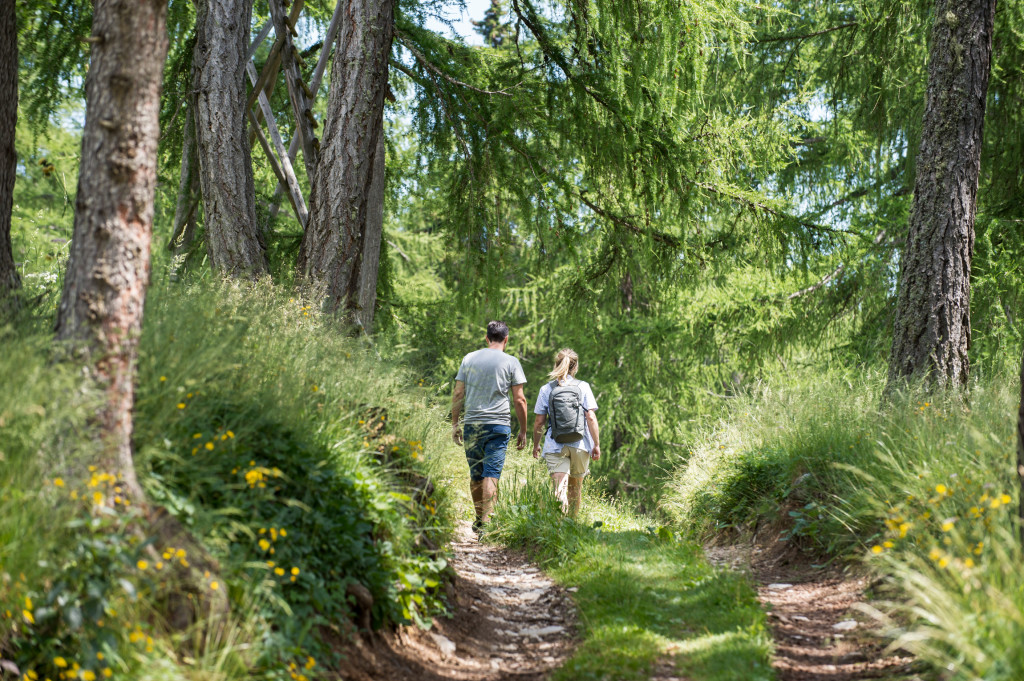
(233,238)
(932,329)
(100,312)
(341,245)
(9,279)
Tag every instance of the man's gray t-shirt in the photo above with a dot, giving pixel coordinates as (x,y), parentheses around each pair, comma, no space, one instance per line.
(488,375)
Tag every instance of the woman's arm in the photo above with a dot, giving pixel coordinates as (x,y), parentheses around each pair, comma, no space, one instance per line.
(538,433)
(595,435)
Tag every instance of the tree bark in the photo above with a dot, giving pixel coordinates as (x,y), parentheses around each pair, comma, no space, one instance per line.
(331,256)
(9,279)
(932,330)
(100,312)
(187,205)
(370,266)
(233,239)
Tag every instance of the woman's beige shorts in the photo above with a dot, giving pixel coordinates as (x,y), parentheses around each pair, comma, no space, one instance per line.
(571,460)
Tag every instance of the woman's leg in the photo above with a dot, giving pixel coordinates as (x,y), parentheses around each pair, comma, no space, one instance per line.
(559,480)
(574,494)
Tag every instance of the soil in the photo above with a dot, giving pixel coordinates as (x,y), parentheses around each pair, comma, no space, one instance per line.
(509,622)
(818,630)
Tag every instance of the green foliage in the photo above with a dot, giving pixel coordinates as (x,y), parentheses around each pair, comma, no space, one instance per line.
(307,476)
(923,488)
(644,594)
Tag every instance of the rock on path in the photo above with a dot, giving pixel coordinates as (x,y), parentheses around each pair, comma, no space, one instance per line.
(510,622)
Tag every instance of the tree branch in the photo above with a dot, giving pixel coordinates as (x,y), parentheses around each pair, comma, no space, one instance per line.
(803,36)
(421,58)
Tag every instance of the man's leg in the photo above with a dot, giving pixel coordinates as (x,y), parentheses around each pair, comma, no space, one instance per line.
(489,494)
(476,489)
(494,461)
(560,480)
(472,437)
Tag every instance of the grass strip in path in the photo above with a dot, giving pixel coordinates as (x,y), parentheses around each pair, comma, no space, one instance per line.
(647,599)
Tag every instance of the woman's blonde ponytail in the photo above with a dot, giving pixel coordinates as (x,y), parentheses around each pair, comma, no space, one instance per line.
(567,363)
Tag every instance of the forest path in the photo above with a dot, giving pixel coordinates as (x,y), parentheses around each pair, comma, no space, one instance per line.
(509,622)
(817,629)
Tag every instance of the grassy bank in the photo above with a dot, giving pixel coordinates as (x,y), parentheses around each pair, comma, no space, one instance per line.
(290,452)
(922,488)
(645,595)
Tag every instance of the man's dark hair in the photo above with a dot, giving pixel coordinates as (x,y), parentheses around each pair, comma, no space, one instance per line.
(497,331)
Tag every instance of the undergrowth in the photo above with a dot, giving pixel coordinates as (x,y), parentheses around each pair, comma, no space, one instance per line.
(920,486)
(289,451)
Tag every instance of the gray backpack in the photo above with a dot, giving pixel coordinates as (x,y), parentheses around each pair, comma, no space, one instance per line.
(566,413)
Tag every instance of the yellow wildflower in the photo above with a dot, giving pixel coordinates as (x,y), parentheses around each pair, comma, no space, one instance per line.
(295,570)
(27,614)
(58,482)
(209,445)
(142,565)
(214,585)
(940,488)
(279,571)
(181,405)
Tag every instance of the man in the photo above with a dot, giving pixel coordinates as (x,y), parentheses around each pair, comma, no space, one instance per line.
(482,386)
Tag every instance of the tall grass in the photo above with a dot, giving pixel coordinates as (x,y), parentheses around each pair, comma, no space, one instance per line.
(921,487)
(288,449)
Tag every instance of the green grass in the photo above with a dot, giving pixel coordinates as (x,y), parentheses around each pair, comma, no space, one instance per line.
(254,415)
(645,595)
(922,488)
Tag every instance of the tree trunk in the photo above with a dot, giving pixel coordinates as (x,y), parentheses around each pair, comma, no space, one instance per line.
(233,238)
(188,182)
(932,330)
(100,311)
(8,157)
(331,256)
(184,229)
(367,299)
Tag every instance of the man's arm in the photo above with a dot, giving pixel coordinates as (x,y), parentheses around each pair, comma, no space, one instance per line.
(458,397)
(595,434)
(519,400)
(538,433)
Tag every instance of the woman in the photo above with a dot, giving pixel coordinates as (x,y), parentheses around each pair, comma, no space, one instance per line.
(568,462)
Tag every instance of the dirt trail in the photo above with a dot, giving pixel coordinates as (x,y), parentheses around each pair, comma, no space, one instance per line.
(819,634)
(510,622)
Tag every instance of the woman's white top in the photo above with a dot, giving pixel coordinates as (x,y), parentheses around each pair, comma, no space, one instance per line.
(589,404)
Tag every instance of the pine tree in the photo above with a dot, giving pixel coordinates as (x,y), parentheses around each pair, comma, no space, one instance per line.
(233,238)
(346,214)
(100,313)
(933,325)
(9,279)
(493,27)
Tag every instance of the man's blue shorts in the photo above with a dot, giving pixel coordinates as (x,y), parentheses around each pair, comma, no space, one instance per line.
(485,449)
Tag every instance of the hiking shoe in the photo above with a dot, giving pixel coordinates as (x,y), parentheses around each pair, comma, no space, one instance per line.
(478,526)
